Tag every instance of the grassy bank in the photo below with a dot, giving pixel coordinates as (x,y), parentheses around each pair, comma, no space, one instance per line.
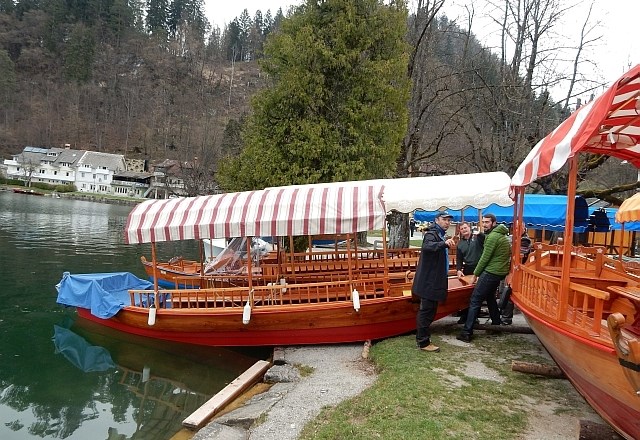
(463,392)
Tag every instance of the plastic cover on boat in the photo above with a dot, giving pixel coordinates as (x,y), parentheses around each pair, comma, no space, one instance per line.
(102,293)
(274,212)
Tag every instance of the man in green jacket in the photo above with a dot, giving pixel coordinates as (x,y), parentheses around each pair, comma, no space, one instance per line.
(493,266)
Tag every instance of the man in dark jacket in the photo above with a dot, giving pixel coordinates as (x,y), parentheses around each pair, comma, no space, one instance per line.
(468,253)
(431,280)
(493,266)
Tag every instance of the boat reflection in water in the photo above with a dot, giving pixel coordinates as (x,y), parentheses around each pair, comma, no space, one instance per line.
(166,382)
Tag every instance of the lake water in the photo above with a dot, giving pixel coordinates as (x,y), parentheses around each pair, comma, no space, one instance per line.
(62,377)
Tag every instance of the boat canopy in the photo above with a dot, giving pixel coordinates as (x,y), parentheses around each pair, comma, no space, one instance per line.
(607,125)
(430,193)
(541,211)
(629,211)
(455,191)
(275,212)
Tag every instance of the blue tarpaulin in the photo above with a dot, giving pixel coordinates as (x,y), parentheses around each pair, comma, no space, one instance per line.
(541,211)
(102,293)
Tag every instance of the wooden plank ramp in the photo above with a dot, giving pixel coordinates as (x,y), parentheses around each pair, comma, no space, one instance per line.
(227,394)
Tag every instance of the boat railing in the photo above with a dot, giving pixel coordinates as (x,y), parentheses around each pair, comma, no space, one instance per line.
(582,306)
(271,294)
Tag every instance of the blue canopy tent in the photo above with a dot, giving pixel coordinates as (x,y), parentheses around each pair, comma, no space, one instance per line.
(541,211)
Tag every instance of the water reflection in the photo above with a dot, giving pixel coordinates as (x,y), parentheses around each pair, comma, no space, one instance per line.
(42,394)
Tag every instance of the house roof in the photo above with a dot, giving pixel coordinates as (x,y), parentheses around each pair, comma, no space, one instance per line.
(67,155)
(97,160)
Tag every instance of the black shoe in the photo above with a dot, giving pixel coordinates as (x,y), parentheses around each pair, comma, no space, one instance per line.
(506,321)
(461,321)
(499,323)
(464,337)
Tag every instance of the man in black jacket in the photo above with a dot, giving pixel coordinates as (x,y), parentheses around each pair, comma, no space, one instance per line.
(431,280)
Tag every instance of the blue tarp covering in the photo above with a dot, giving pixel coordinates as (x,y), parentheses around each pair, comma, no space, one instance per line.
(102,293)
(540,211)
(79,352)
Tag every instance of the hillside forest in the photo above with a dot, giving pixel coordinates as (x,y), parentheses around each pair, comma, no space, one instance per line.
(154,79)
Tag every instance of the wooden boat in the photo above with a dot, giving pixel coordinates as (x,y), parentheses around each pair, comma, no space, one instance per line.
(27,191)
(319,300)
(583,305)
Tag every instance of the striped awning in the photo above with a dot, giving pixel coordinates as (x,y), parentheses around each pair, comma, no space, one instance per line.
(273,212)
(610,124)
(629,211)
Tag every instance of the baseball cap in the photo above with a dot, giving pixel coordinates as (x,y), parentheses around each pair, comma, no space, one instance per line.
(443,214)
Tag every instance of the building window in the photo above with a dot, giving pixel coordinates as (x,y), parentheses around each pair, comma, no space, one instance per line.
(55,173)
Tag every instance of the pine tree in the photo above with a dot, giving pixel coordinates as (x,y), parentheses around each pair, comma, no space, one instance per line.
(337,107)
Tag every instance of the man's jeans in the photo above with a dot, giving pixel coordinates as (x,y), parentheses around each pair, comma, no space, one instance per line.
(485,290)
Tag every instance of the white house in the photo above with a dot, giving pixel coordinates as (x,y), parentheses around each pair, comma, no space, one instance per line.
(94,171)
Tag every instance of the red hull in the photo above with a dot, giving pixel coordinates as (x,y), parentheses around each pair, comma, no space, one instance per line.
(328,323)
(594,370)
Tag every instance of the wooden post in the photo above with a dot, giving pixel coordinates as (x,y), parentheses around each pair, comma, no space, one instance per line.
(563,294)
(154,262)
(384,256)
(249,265)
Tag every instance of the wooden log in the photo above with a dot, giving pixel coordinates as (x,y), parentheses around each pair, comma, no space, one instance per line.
(504,328)
(542,370)
(227,394)
(597,431)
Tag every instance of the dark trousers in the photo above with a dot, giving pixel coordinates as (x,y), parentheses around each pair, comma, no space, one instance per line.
(427,312)
(467,269)
(485,290)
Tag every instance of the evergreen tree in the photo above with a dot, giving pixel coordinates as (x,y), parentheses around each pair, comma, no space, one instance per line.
(337,108)
(157,16)
(7,7)
(79,53)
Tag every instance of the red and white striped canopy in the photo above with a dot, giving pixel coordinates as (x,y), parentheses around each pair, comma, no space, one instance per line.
(609,125)
(276,212)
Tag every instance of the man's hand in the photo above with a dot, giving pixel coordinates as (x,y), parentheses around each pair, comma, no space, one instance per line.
(474,279)
(450,242)
(460,274)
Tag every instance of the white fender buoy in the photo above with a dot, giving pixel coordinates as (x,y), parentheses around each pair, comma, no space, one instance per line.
(246,313)
(283,282)
(152,314)
(355,297)
(146,373)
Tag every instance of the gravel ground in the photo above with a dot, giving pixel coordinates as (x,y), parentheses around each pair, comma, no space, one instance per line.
(339,374)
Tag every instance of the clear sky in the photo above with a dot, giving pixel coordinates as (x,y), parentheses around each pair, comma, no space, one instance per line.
(618,49)
(221,12)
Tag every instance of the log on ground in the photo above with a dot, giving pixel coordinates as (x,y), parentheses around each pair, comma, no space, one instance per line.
(504,328)
(540,369)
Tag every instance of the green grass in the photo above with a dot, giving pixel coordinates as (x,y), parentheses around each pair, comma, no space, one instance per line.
(430,396)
